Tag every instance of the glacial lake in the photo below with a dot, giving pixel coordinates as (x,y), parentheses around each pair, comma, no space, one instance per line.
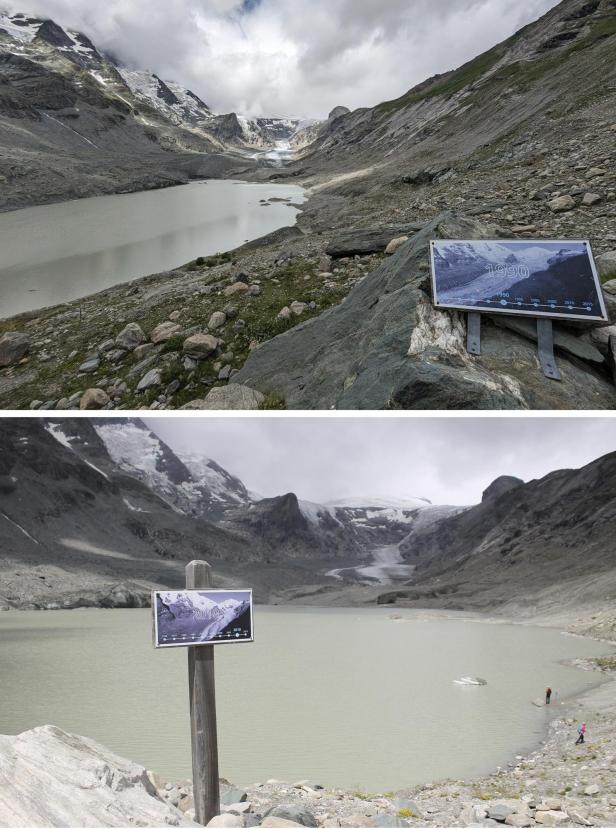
(344,697)
(60,252)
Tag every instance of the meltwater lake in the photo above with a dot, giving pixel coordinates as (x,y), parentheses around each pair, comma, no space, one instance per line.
(60,252)
(345,697)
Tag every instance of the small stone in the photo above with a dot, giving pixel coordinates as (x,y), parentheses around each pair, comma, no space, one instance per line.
(152,378)
(594,172)
(227,820)
(278,822)
(142,351)
(165,331)
(130,337)
(298,308)
(236,289)
(231,311)
(499,811)
(14,345)
(90,364)
(520,820)
(561,204)
(284,313)
(175,315)
(35,404)
(591,199)
(551,818)
(107,345)
(254,290)
(294,812)
(217,320)
(93,399)
(224,373)
(524,228)
(549,804)
(200,346)
(233,796)
(592,790)
(395,244)
(116,355)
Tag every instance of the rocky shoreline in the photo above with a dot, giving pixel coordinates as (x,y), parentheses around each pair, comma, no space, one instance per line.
(557,784)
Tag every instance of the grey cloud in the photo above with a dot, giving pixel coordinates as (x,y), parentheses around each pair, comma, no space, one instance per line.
(448,460)
(298,57)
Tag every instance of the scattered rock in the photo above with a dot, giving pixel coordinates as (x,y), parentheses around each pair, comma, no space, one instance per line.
(217,320)
(298,308)
(227,820)
(561,204)
(94,399)
(592,790)
(396,243)
(236,289)
(200,346)
(130,337)
(165,331)
(233,396)
(499,811)
(90,364)
(606,265)
(551,817)
(294,812)
(14,345)
(284,313)
(150,379)
(591,199)
(365,241)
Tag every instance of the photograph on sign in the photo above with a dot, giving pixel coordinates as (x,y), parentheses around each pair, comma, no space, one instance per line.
(530,277)
(201,617)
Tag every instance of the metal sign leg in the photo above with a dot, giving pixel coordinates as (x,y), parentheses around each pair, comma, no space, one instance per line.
(545,344)
(473,332)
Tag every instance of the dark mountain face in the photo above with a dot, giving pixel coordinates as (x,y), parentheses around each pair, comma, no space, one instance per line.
(522,539)
(501,485)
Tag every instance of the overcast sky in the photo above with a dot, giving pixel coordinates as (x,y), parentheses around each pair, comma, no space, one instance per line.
(448,460)
(293,57)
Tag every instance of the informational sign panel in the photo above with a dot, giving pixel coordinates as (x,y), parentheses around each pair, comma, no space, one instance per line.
(201,617)
(529,277)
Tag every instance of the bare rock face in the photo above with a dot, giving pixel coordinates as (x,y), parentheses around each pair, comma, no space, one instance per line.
(503,484)
(57,779)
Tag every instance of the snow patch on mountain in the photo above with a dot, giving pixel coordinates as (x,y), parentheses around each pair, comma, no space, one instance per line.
(20,26)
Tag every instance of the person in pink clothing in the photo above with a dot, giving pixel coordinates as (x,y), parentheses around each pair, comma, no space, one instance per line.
(581,733)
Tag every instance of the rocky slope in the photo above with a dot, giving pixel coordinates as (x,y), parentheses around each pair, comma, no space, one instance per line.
(523,548)
(101,512)
(75,122)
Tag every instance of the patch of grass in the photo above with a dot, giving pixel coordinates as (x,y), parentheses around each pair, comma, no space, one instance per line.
(173,344)
(405,812)
(606,663)
(274,400)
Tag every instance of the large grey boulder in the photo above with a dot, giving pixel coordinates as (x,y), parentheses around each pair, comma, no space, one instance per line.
(51,778)
(233,396)
(13,346)
(606,264)
(386,347)
(363,241)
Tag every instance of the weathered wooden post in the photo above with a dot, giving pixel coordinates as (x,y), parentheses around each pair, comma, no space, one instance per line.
(202,695)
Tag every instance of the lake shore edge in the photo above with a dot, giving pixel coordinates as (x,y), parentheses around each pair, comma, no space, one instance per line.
(556,783)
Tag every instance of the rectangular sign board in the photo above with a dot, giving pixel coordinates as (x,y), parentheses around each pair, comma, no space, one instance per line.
(201,617)
(531,277)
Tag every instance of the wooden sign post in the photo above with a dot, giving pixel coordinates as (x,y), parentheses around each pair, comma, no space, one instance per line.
(202,695)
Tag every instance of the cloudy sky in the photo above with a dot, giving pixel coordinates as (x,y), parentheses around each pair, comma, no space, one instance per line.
(448,460)
(293,57)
